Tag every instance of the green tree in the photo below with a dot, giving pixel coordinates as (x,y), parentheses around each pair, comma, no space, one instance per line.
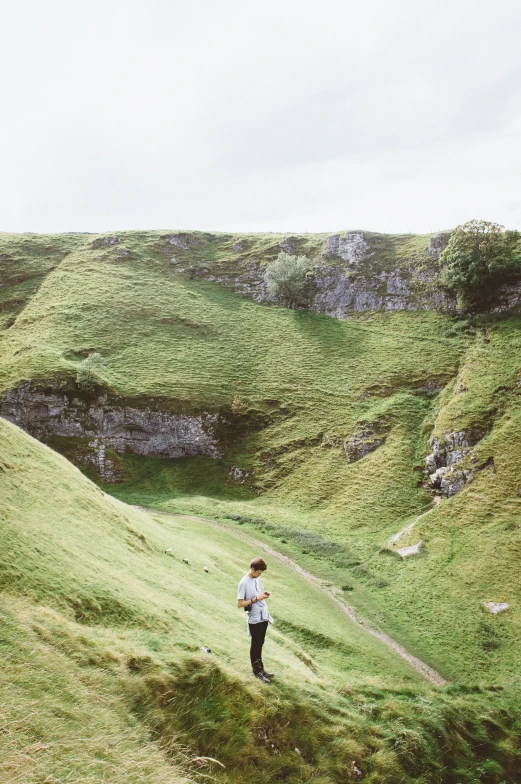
(287,279)
(88,376)
(479,256)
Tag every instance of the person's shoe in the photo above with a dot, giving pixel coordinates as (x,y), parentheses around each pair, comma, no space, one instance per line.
(266,674)
(262,677)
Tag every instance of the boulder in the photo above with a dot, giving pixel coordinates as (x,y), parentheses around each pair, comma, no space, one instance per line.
(496,607)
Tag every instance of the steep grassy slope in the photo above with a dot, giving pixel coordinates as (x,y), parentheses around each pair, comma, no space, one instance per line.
(196,342)
(103,679)
(24,262)
(97,559)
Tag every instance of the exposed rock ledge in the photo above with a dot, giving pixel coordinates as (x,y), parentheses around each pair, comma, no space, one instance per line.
(448,462)
(365,439)
(103,424)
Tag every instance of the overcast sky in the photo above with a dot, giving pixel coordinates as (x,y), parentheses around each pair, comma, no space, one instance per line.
(279,115)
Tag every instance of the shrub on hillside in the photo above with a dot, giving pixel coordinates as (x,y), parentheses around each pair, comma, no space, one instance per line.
(287,279)
(88,376)
(479,256)
(239,408)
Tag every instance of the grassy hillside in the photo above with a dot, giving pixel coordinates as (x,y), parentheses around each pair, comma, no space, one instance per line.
(301,382)
(103,678)
(292,387)
(471,542)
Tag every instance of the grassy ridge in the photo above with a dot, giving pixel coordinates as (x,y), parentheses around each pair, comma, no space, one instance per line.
(194,341)
(61,714)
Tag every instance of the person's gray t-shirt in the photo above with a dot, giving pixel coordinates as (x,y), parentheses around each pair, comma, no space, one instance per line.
(248,588)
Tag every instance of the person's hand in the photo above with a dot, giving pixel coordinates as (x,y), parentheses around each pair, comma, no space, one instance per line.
(263,596)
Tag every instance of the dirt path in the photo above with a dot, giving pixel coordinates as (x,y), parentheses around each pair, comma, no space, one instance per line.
(333,592)
(408,528)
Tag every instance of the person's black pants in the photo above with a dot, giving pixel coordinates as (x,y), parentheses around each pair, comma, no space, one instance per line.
(258,633)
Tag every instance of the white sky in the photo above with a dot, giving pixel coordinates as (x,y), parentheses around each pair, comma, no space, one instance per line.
(279,115)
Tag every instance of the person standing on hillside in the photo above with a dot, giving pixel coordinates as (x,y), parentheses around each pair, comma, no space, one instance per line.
(252,596)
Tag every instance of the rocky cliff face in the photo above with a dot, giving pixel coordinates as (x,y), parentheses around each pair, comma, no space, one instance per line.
(103,424)
(354,284)
(347,276)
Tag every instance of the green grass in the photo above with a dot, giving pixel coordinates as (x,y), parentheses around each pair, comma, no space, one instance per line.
(61,715)
(306,383)
(56,557)
(103,679)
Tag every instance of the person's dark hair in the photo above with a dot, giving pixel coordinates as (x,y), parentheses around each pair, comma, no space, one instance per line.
(258,563)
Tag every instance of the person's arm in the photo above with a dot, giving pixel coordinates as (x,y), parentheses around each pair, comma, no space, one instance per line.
(251,602)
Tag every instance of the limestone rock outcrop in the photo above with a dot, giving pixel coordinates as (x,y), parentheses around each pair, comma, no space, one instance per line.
(354,284)
(365,439)
(351,246)
(102,424)
(448,462)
